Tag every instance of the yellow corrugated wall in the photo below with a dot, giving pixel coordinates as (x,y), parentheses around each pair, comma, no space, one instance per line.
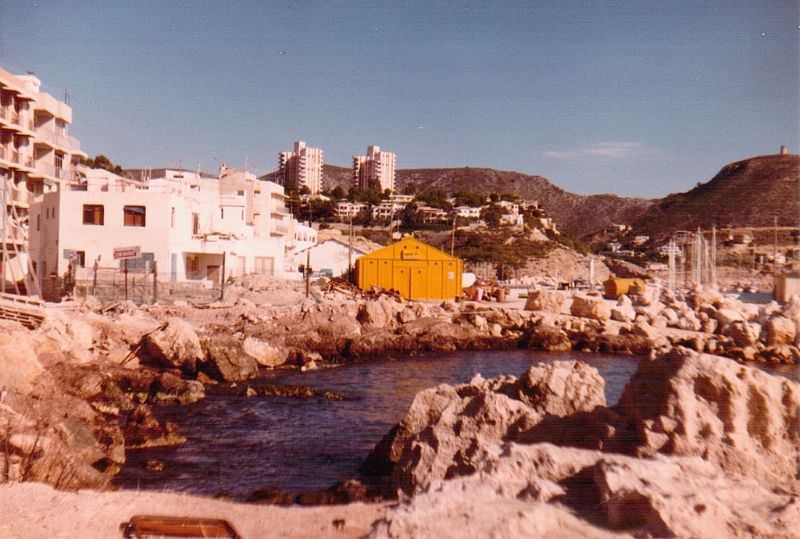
(413,268)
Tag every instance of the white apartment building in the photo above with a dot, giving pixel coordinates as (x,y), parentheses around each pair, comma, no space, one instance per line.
(188,224)
(347,210)
(376,167)
(387,210)
(302,168)
(468,212)
(36,154)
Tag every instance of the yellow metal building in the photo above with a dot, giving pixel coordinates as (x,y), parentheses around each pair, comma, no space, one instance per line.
(616,286)
(413,268)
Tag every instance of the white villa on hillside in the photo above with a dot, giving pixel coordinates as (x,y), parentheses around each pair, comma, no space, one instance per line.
(185,222)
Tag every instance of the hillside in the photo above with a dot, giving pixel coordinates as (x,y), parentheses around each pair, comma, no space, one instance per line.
(751,192)
(576,215)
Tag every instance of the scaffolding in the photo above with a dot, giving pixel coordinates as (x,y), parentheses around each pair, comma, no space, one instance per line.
(17,275)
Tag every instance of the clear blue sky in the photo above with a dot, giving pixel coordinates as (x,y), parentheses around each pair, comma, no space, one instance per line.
(637,97)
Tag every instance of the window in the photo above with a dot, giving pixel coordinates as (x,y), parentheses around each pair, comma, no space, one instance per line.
(38,222)
(134,215)
(240,193)
(144,262)
(195,223)
(80,258)
(172,218)
(222,213)
(93,214)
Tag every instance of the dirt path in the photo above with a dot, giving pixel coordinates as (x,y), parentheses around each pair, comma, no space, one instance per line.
(35,510)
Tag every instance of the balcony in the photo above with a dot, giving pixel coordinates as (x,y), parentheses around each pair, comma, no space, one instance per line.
(58,139)
(9,115)
(52,171)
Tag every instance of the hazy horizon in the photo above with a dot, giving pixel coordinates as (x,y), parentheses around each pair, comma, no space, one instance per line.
(632,98)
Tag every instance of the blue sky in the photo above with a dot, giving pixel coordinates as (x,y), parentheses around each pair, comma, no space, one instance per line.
(637,98)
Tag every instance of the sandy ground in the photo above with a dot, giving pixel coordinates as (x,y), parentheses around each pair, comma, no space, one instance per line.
(35,510)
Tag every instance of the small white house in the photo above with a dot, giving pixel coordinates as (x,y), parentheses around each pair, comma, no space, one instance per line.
(468,212)
(189,225)
(333,254)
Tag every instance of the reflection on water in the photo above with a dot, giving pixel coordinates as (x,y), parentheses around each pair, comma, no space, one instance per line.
(238,445)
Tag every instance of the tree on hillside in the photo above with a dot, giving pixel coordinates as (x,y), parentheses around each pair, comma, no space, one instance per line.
(103,162)
(409,217)
(410,189)
(338,193)
(436,198)
(468,198)
(491,215)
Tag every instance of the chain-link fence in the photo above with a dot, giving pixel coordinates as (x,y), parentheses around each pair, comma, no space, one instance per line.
(139,286)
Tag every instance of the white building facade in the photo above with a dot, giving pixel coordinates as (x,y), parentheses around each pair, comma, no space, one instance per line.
(36,155)
(376,167)
(189,225)
(302,168)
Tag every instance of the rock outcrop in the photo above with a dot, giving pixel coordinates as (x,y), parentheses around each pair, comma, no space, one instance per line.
(590,307)
(445,424)
(739,417)
(175,345)
(546,491)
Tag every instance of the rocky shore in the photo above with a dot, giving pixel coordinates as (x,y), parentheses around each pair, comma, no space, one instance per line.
(78,391)
(699,446)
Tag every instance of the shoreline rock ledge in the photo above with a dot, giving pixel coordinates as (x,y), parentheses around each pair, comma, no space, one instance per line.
(698,445)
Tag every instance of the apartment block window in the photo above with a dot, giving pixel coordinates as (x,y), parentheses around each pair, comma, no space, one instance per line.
(134,215)
(240,193)
(172,218)
(222,213)
(93,214)
(38,222)
(195,223)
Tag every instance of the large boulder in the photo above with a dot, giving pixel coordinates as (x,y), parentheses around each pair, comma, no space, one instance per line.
(445,425)
(552,301)
(727,316)
(548,338)
(542,490)
(741,418)
(780,330)
(175,345)
(380,312)
(561,388)
(19,365)
(623,311)
(590,307)
(226,360)
(264,353)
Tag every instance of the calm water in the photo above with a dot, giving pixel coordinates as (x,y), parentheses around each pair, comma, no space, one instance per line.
(238,445)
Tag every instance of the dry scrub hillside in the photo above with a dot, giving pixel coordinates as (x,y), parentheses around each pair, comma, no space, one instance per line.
(576,215)
(751,192)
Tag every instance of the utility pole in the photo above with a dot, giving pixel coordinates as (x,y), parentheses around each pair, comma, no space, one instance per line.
(698,247)
(350,251)
(714,256)
(453,235)
(671,259)
(775,244)
(308,272)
